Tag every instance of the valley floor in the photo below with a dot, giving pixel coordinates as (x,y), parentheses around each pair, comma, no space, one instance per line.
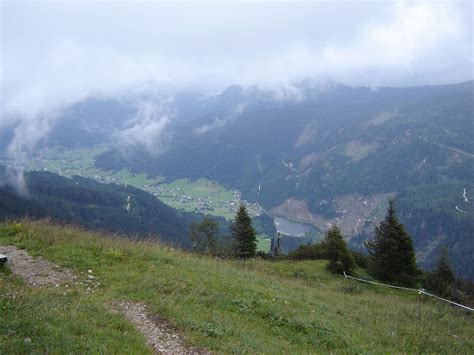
(253,306)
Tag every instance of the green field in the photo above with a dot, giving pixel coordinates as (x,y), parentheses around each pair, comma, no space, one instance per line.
(252,306)
(201,195)
(263,243)
(80,161)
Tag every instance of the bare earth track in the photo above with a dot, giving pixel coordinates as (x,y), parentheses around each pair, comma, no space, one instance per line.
(36,271)
(162,337)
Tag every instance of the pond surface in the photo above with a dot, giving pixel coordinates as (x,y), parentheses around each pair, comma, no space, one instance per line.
(287,227)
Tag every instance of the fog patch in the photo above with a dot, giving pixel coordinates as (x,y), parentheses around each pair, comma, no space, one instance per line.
(15,177)
(29,132)
(148,128)
(236,111)
(218,122)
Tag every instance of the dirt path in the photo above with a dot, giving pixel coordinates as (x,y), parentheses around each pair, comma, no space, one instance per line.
(36,271)
(160,335)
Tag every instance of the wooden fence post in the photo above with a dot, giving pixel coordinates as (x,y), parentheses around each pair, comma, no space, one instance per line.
(345,279)
(419,306)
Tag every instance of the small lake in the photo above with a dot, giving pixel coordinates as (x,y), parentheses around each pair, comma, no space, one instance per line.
(287,227)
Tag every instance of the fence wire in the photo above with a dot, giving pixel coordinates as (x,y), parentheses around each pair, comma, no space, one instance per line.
(420,291)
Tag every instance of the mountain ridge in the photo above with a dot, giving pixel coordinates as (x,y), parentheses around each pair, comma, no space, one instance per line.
(349,144)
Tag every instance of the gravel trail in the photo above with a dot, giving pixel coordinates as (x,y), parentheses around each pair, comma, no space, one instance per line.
(160,334)
(36,271)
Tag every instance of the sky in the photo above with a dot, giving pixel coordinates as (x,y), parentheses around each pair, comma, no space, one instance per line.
(55,53)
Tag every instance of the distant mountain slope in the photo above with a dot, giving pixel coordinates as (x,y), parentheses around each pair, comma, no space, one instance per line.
(333,154)
(109,207)
(343,134)
(438,215)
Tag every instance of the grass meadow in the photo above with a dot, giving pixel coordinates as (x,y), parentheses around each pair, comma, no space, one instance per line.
(227,306)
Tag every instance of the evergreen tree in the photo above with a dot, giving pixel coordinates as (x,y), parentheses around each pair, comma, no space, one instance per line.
(244,234)
(442,278)
(391,253)
(203,235)
(334,245)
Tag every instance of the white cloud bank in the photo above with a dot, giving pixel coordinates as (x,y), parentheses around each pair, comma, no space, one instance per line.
(54,53)
(57,53)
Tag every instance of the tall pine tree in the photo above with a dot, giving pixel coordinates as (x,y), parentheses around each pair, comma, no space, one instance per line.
(391,253)
(244,234)
(334,245)
(442,278)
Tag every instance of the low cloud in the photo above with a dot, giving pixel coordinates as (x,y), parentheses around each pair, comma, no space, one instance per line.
(221,120)
(148,128)
(15,177)
(218,122)
(57,53)
(28,133)
(414,46)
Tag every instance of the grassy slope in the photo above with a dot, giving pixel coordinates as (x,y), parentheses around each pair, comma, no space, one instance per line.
(231,306)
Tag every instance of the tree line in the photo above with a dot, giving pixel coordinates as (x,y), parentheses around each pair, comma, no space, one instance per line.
(205,238)
(390,254)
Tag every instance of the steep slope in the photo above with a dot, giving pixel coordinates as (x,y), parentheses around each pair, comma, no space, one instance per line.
(111,207)
(253,306)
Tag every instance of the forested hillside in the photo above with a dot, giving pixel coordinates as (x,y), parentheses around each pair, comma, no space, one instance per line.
(117,208)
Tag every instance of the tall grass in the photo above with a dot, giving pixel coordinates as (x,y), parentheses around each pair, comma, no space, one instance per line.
(229,306)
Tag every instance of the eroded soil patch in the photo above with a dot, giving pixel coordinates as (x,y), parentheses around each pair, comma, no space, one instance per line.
(36,271)
(160,334)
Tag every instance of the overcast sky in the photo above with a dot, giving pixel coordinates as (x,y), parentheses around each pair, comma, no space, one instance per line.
(59,51)
(55,53)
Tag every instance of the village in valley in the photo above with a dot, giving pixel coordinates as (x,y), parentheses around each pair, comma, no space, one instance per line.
(200,196)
